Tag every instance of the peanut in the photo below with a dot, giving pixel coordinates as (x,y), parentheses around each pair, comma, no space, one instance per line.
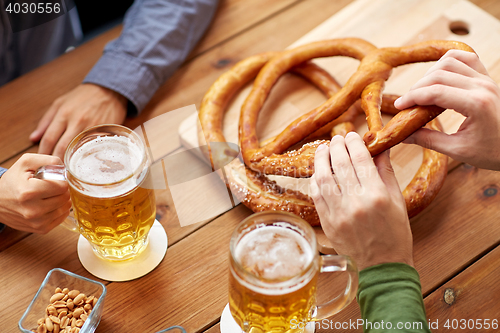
(59,304)
(41,329)
(77,313)
(62,314)
(73,293)
(65,322)
(67,312)
(55,319)
(59,310)
(78,300)
(48,324)
(51,310)
(56,297)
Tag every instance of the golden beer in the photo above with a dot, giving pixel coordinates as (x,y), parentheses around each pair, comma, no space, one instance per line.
(274,269)
(275,255)
(112,203)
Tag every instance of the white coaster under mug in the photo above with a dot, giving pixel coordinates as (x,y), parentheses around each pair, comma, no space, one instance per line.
(126,270)
(229,325)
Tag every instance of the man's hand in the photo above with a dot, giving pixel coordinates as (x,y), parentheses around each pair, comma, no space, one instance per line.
(32,204)
(85,106)
(360,205)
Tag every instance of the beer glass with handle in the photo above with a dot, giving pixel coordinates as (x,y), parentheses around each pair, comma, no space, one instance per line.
(107,168)
(274,268)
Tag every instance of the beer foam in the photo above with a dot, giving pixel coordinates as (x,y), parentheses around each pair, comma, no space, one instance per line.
(273,252)
(105,160)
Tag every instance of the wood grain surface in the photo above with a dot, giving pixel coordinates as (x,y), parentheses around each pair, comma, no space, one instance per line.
(384,23)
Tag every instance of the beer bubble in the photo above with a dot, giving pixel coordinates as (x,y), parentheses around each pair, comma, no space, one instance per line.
(107,160)
(274,253)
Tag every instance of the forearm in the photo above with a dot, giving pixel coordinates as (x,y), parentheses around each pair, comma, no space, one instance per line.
(157,37)
(390,297)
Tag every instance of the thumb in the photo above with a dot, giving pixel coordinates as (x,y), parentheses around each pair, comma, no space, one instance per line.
(435,140)
(386,172)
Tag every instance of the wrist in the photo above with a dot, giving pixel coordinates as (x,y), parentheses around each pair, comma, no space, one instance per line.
(109,93)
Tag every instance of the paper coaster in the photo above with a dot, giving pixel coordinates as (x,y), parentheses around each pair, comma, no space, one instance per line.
(229,325)
(128,269)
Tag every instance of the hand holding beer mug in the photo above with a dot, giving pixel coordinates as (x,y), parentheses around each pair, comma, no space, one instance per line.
(274,268)
(108,170)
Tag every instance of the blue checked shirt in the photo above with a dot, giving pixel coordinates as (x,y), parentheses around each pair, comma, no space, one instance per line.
(156,38)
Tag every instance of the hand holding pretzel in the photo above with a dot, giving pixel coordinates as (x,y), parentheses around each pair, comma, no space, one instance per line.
(459,81)
(362,210)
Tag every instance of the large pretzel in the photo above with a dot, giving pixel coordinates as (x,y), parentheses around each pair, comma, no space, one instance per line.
(366,83)
(259,193)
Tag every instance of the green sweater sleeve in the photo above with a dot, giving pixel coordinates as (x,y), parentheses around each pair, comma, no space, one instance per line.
(390,299)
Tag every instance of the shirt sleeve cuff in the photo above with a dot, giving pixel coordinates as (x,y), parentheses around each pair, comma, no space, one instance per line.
(387,273)
(2,171)
(127,76)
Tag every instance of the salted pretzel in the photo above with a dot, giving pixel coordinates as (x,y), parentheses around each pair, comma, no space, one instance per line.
(253,188)
(366,83)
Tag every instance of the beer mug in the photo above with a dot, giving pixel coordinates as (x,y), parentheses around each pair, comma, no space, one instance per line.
(107,168)
(274,268)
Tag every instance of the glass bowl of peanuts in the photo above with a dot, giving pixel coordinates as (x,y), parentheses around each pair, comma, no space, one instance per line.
(65,303)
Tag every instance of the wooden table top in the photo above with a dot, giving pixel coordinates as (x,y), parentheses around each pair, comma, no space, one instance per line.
(455,239)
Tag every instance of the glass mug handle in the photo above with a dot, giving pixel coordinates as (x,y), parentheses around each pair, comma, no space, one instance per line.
(338,263)
(58,172)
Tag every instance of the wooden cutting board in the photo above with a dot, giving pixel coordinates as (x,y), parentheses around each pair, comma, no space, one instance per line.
(384,23)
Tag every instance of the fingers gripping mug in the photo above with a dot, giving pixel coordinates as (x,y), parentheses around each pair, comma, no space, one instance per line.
(107,168)
(274,267)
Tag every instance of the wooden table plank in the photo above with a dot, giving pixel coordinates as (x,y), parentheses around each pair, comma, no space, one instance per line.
(192,280)
(33,256)
(24,100)
(471,295)
(214,329)
(235,16)
(461,224)
(491,6)
(24,266)
(189,287)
